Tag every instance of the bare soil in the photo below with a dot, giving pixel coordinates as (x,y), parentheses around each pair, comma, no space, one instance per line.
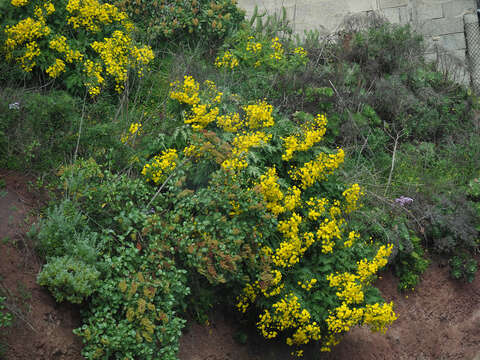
(438,321)
(42,330)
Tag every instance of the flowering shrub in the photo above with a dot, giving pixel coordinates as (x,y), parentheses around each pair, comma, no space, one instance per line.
(248,51)
(309,274)
(84,40)
(184,19)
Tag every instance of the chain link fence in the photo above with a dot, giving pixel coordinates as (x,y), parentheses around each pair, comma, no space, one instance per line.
(472,34)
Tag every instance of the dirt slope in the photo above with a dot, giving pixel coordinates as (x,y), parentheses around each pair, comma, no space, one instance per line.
(42,330)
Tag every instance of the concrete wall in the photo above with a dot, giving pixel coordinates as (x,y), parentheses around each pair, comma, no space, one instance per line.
(441,21)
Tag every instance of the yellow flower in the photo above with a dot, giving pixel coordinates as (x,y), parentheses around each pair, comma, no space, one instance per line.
(56,69)
(18,3)
(228,60)
(259,115)
(160,166)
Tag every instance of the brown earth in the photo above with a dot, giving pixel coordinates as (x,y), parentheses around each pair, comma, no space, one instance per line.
(42,330)
(438,321)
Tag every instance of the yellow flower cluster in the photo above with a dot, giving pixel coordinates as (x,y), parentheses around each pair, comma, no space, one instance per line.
(352,197)
(117,53)
(300,51)
(212,91)
(161,164)
(270,287)
(18,3)
(290,251)
(48,9)
(242,143)
(114,53)
(26,31)
(277,48)
(141,57)
(246,140)
(90,14)
(344,318)
(59,43)
(56,69)
(292,198)
(270,189)
(367,268)
(276,201)
(187,93)
(273,283)
(259,115)
(191,151)
(313,133)
(94,75)
(134,130)
(26,61)
(316,208)
(379,317)
(228,60)
(248,297)
(327,231)
(288,314)
(352,237)
(201,116)
(253,46)
(234,164)
(318,169)
(203,112)
(350,286)
(230,122)
(308,285)
(350,289)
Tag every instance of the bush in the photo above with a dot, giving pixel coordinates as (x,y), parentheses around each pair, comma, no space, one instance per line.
(133,315)
(36,130)
(181,20)
(99,45)
(463,266)
(115,257)
(69,279)
(290,243)
(60,228)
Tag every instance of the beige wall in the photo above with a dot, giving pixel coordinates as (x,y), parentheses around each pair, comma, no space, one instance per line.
(441,21)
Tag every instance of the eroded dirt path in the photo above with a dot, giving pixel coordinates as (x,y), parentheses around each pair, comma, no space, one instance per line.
(42,330)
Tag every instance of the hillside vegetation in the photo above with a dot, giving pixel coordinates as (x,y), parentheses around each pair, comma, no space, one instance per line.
(195,158)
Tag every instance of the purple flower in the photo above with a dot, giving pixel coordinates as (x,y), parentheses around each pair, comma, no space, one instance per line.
(403,200)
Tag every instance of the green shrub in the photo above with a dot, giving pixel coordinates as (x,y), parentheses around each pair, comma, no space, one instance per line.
(410,264)
(182,20)
(263,67)
(133,314)
(39,132)
(59,230)
(69,279)
(463,266)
